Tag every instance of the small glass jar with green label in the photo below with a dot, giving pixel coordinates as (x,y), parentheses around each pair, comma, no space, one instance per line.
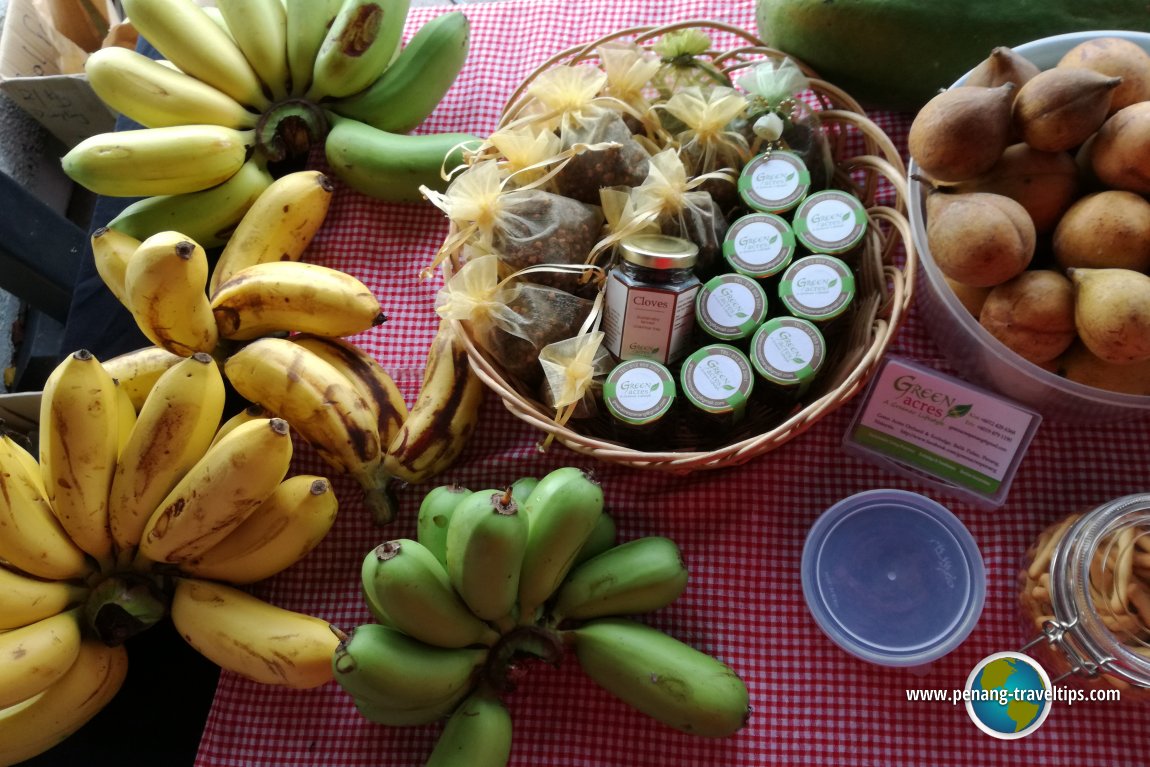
(788,352)
(774,182)
(649,298)
(639,395)
(730,307)
(759,245)
(716,382)
(831,221)
(819,288)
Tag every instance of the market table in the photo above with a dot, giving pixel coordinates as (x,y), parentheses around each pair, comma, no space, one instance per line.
(741,529)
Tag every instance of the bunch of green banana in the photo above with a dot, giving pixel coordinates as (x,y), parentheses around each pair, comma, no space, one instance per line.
(139,504)
(251,83)
(527,571)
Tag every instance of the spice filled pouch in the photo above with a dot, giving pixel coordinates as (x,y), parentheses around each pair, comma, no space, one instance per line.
(709,140)
(684,64)
(681,208)
(510,319)
(574,369)
(629,69)
(525,226)
(568,99)
(777,118)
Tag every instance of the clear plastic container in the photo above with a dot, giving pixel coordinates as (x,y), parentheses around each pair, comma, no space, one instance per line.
(893,577)
(968,347)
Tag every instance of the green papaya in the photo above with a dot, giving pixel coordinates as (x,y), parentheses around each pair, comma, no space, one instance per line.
(897,54)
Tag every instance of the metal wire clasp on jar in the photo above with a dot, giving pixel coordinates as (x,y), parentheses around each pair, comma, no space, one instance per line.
(1085,586)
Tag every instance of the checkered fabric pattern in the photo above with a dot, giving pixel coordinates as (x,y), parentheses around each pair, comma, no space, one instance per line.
(741,529)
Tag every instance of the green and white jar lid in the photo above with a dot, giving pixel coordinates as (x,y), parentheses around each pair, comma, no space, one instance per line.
(831,221)
(759,245)
(818,287)
(639,391)
(774,182)
(730,306)
(788,351)
(717,379)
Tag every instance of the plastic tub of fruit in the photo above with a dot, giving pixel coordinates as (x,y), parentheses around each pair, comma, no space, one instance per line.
(981,357)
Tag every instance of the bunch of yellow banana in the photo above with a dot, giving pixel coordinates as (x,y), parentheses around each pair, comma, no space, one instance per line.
(123,496)
(258,286)
(254,82)
(341,401)
(531,569)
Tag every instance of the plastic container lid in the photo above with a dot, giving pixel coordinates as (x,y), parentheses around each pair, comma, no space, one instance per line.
(639,391)
(830,221)
(817,288)
(893,577)
(759,245)
(717,379)
(788,351)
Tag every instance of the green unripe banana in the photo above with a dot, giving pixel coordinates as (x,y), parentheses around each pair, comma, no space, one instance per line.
(477,734)
(435,512)
(379,713)
(561,513)
(417,80)
(387,667)
(392,166)
(662,677)
(638,576)
(522,487)
(485,543)
(411,587)
(602,537)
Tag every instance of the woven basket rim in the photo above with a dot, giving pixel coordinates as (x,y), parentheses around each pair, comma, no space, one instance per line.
(883,161)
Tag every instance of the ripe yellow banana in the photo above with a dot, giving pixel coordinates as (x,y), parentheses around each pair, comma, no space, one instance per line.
(207,217)
(662,677)
(125,418)
(231,480)
(278,226)
(25,600)
(376,387)
(156,96)
(253,638)
(417,80)
(79,446)
(392,166)
(320,403)
(444,415)
(31,537)
(111,250)
(174,427)
(166,282)
(307,25)
(384,666)
(249,413)
(137,371)
(282,296)
(477,734)
(561,510)
(486,540)
(259,28)
(148,161)
(37,655)
(358,47)
(405,580)
(280,532)
(32,727)
(186,36)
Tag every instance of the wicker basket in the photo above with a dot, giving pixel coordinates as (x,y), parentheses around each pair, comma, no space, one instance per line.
(867,162)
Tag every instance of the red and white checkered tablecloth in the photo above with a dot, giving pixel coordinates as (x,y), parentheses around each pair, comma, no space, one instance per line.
(741,529)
